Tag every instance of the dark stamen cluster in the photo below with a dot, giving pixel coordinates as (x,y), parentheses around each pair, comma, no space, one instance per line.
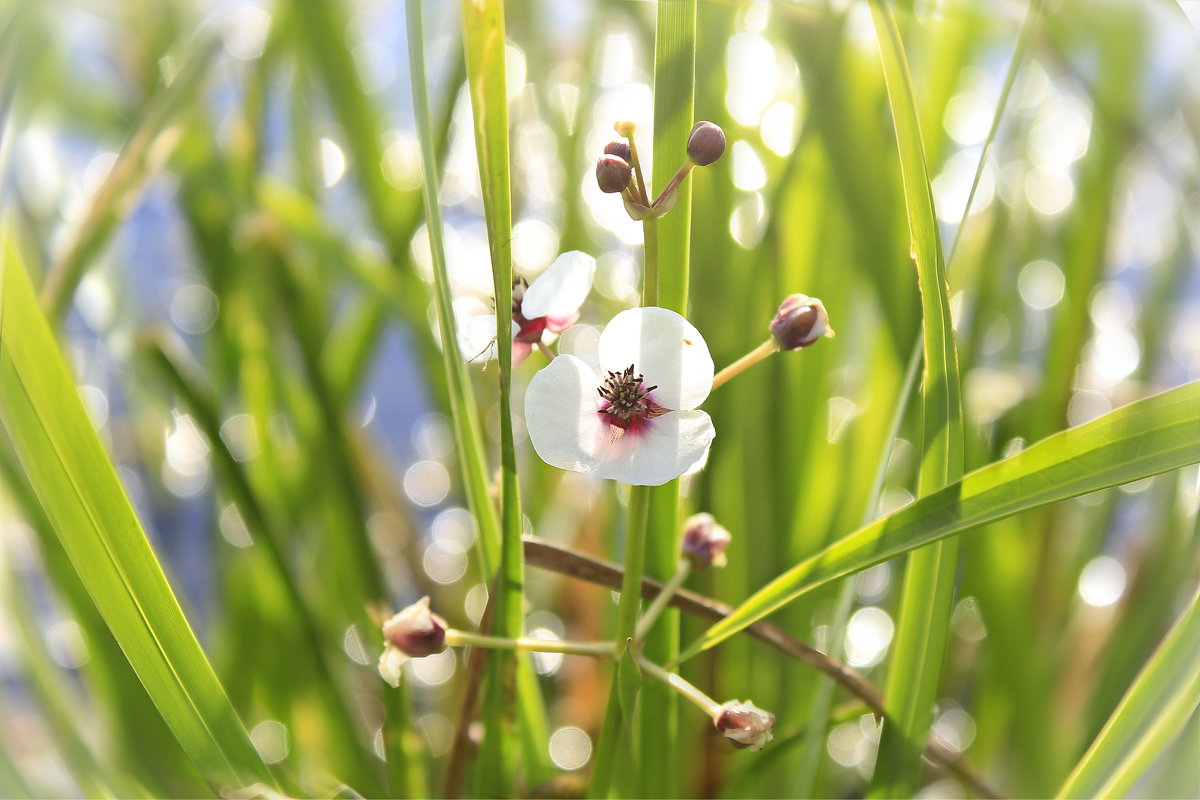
(626,397)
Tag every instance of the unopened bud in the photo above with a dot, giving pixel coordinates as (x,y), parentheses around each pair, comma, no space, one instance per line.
(624,128)
(621,150)
(705,144)
(613,173)
(416,631)
(745,724)
(704,541)
(800,321)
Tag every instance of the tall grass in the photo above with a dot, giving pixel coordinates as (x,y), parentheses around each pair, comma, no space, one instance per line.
(239,430)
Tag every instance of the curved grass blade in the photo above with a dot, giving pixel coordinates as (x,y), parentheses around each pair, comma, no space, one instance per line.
(152,141)
(79,490)
(924,618)
(1148,437)
(1153,711)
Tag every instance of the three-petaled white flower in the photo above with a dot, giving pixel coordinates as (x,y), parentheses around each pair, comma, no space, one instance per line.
(549,304)
(636,422)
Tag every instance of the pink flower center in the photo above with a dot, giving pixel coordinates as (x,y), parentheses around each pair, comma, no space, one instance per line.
(626,404)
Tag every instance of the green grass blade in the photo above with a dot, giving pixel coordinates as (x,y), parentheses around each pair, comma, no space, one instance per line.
(924,617)
(146,149)
(483,44)
(674,109)
(1145,438)
(1153,711)
(468,437)
(79,490)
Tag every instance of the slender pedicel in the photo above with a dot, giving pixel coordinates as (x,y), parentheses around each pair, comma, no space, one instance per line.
(706,703)
(457,638)
(745,362)
(662,600)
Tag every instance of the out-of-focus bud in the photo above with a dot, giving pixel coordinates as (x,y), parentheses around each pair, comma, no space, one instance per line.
(705,144)
(704,541)
(800,321)
(624,128)
(621,150)
(613,173)
(745,724)
(416,631)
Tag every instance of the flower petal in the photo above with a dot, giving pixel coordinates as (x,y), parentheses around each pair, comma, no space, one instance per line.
(476,326)
(562,288)
(666,349)
(661,449)
(562,415)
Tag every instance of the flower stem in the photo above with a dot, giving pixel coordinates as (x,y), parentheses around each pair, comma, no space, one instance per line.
(616,723)
(706,703)
(662,600)
(745,362)
(643,192)
(546,351)
(528,644)
(650,271)
(665,195)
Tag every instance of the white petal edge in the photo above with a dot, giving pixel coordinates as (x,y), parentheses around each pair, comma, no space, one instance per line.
(562,415)
(666,448)
(561,289)
(666,349)
(476,329)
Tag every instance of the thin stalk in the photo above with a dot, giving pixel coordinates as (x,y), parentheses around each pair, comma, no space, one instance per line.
(615,723)
(668,252)
(528,644)
(662,600)
(484,46)
(467,435)
(767,348)
(676,682)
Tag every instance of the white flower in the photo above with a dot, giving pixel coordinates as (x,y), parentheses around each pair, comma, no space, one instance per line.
(745,724)
(637,423)
(548,305)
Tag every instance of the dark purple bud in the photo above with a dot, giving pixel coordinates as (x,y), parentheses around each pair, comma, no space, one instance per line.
(745,724)
(613,174)
(704,541)
(416,631)
(705,144)
(800,321)
(621,150)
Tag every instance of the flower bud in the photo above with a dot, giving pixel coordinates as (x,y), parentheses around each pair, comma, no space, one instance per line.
(800,321)
(613,174)
(704,541)
(416,631)
(624,128)
(621,150)
(745,724)
(705,144)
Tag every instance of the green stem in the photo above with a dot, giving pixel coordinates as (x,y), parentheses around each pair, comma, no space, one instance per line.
(616,725)
(706,703)
(662,600)
(528,644)
(650,273)
(769,347)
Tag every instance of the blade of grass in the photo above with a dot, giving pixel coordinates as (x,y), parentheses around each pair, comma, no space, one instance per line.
(674,109)
(1145,438)
(147,149)
(79,490)
(484,43)
(1153,711)
(924,617)
(185,377)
